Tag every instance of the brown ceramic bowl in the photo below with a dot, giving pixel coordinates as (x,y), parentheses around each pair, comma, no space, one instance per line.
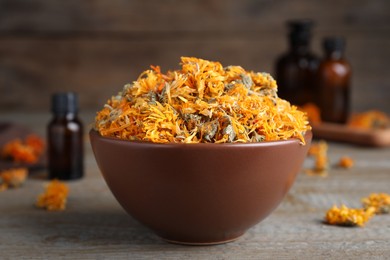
(199,193)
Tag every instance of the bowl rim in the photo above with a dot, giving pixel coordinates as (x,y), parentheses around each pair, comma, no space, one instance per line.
(307,136)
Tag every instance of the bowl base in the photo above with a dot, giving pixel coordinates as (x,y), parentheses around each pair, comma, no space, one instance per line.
(188,243)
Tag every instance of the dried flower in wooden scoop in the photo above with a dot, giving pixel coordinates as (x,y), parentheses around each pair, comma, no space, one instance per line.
(372,119)
(345,216)
(379,201)
(55,196)
(203,102)
(313,112)
(27,151)
(12,178)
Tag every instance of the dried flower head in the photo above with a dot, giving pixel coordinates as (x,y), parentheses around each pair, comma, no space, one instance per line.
(379,201)
(55,196)
(313,112)
(345,162)
(320,153)
(372,119)
(345,216)
(12,178)
(28,151)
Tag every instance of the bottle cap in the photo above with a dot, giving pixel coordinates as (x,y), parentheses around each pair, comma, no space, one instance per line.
(300,30)
(300,25)
(63,103)
(331,44)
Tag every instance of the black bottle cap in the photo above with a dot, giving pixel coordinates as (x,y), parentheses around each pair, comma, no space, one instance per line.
(300,25)
(331,44)
(300,30)
(63,103)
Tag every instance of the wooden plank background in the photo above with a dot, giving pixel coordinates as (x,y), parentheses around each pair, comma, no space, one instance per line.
(94,47)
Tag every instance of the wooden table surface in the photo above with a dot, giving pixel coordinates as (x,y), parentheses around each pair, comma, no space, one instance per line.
(94,226)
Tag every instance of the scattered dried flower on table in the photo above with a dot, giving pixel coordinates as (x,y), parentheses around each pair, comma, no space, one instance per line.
(12,178)
(55,196)
(345,216)
(202,102)
(379,201)
(319,148)
(345,162)
(28,151)
(320,153)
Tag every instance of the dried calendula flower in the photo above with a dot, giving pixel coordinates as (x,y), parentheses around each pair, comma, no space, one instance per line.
(319,148)
(379,201)
(36,143)
(313,112)
(28,151)
(3,187)
(320,153)
(13,178)
(345,162)
(203,102)
(19,152)
(55,196)
(345,216)
(372,119)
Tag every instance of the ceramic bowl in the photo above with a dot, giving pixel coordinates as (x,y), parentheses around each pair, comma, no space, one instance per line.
(199,193)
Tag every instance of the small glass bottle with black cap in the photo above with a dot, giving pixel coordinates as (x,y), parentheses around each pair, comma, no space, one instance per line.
(333,78)
(295,70)
(65,138)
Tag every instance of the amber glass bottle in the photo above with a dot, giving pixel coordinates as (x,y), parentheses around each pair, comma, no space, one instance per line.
(65,138)
(334,74)
(295,70)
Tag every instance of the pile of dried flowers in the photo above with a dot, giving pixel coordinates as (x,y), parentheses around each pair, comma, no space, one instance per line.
(201,102)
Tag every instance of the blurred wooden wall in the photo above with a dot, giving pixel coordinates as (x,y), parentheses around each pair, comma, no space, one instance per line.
(94,47)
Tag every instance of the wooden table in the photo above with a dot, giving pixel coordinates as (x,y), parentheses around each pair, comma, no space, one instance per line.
(95,227)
